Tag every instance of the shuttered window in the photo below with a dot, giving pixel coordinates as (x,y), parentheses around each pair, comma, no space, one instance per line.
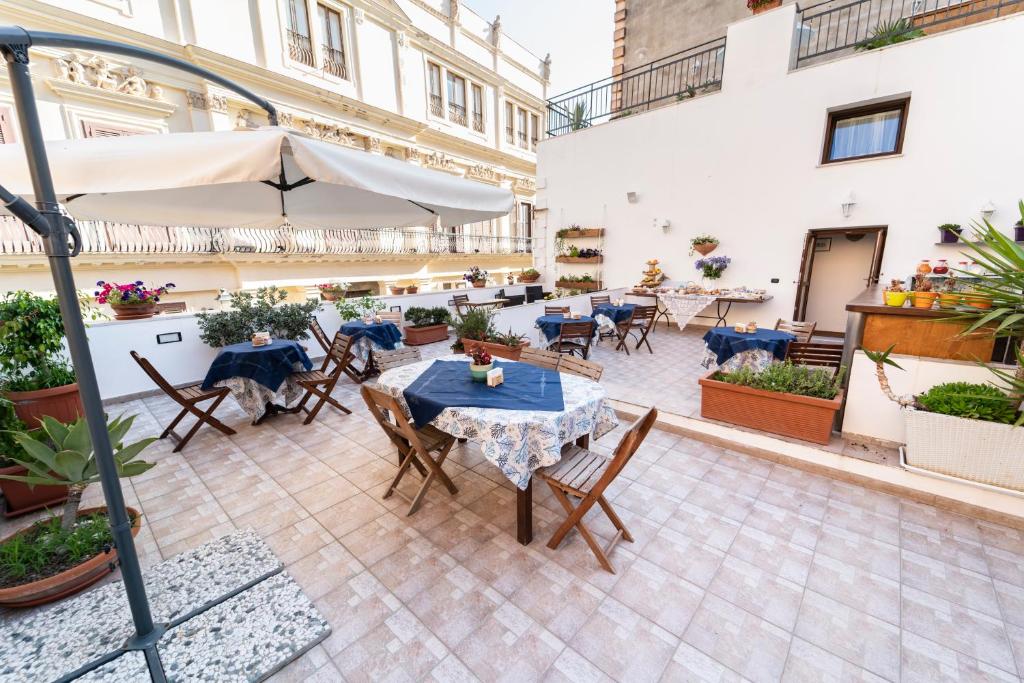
(6,126)
(92,129)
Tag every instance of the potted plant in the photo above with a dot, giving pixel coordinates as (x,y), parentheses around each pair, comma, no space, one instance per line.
(476,277)
(758,6)
(529,275)
(582,283)
(36,376)
(712,267)
(426,325)
(703,244)
(396,290)
(332,291)
(412,289)
(261,311)
(890,33)
(784,398)
(895,294)
(480,365)
(475,329)
(354,309)
(950,233)
(923,296)
(1018,227)
(62,555)
(20,498)
(949,295)
(133,301)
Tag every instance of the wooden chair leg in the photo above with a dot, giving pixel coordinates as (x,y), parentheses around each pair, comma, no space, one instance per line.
(606,506)
(211,420)
(174,423)
(575,519)
(622,335)
(643,340)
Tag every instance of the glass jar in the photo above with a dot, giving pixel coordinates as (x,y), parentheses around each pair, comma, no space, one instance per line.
(941,268)
(924,267)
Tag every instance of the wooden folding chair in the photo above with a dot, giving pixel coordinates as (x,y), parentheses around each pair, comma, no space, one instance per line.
(187,397)
(556,310)
(622,330)
(397,358)
(816,355)
(321,383)
(391,317)
(596,301)
(459,301)
(321,337)
(640,325)
(415,444)
(584,475)
(802,330)
(578,366)
(575,338)
(542,358)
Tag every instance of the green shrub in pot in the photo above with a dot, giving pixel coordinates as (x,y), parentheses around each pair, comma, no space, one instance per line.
(261,311)
(419,316)
(32,343)
(972,401)
(787,378)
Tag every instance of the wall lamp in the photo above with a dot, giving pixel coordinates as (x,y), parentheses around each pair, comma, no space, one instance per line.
(632,197)
(987,209)
(847,204)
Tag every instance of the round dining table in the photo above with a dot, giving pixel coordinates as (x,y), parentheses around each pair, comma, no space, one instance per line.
(368,337)
(550,326)
(260,377)
(517,442)
(728,350)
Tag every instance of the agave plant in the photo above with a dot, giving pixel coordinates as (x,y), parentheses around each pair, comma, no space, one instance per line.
(890,33)
(68,459)
(578,116)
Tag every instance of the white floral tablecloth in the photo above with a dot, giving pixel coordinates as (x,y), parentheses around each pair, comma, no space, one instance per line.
(604,323)
(253,397)
(755,359)
(517,441)
(362,347)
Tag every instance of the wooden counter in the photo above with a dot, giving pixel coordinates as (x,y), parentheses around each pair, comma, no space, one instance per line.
(916,331)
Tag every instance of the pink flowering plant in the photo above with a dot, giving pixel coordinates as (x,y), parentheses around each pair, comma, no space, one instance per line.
(132,293)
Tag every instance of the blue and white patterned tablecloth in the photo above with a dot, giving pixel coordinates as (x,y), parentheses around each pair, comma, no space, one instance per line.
(247,371)
(383,336)
(517,441)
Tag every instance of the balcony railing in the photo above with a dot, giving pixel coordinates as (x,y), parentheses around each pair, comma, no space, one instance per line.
(436,107)
(115,238)
(300,48)
(842,25)
(457,113)
(478,122)
(639,89)
(510,136)
(334,61)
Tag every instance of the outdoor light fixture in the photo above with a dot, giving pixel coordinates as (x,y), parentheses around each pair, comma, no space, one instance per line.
(987,209)
(632,197)
(848,204)
(225,299)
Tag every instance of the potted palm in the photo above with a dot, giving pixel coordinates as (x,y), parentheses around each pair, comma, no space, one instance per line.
(36,376)
(133,301)
(426,325)
(63,554)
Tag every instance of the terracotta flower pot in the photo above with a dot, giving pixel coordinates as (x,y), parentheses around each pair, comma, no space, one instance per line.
(496,350)
(69,581)
(585,286)
(412,289)
(923,299)
(981,301)
(529,278)
(63,404)
(417,336)
(705,249)
(331,296)
(21,499)
(800,417)
(396,291)
(134,311)
(479,283)
(765,6)
(949,300)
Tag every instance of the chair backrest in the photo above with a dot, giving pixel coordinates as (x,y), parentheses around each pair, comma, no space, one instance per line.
(810,353)
(578,366)
(556,310)
(320,335)
(391,317)
(542,358)
(596,301)
(628,445)
(460,298)
(500,294)
(577,330)
(392,359)
(383,407)
(644,314)
(339,353)
(157,378)
(533,293)
(802,330)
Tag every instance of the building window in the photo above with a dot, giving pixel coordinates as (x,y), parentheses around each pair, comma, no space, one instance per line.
(524,220)
(333,46)
(534,131)
(478,109)
(300,47)
(510,123)
(865,132)
(456,99)
(522,128)
(91,129)
(436,105)
(6,126)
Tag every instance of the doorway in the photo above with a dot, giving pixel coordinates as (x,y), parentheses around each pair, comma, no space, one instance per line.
(837,265)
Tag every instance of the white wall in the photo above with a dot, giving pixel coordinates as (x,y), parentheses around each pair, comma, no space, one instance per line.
(838,276)
(743,163)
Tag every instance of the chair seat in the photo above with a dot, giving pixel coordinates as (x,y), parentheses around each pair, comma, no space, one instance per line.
(578,470)
(195,392)
(432,437)
(314,376)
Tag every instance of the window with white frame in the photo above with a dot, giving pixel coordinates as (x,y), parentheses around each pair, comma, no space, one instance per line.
(478,108)
(534,131)
(461,101)
(456,99)
(332,41)
(510,123)
(521,124)
(436,101)
(300,45)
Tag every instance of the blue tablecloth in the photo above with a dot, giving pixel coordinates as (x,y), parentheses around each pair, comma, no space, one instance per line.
(551,325)
(725,342)
(617,314)
(448,384)
(267,365)
(385,335)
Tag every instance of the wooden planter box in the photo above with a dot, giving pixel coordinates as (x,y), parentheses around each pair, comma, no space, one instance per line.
(800,417)
(584,232)
(496,350)
(585,286)
(579,259)
(417,336)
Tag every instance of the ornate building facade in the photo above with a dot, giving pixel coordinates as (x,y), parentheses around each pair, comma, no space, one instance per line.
(425,81)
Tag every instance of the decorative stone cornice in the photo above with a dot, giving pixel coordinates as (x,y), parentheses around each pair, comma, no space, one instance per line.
(440,161)
(205,101)
(483,173)
(93,78)
(523,185)
(372,144)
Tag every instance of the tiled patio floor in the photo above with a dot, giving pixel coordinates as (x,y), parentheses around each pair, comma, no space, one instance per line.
(741,569)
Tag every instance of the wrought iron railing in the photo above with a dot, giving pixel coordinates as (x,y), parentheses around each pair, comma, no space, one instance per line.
(457,113)
(334,61)
(478,122)
(842,25)
(300,48)
(677,76)
(436,106)
(116,238)
(510,135)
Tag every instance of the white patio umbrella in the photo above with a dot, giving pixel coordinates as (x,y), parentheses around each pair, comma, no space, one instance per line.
(259,178)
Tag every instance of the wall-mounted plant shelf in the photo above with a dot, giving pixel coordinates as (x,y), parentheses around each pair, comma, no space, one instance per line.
(585,286)
(579,259)
(583,232)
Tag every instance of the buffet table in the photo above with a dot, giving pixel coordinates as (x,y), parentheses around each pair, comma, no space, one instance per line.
(685,307)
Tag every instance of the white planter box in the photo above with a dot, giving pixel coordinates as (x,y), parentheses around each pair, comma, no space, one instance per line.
(985,452)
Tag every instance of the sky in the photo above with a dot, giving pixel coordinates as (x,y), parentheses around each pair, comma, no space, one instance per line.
(577,33)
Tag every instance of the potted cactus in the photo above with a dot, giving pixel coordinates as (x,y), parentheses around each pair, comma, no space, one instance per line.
(923,296)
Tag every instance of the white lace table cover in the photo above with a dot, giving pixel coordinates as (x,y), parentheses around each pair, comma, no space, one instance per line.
(517,441)
(361,348)
(683,307)
(253,397)
(755,359)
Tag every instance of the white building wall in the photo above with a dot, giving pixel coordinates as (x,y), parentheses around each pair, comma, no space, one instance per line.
(743,164)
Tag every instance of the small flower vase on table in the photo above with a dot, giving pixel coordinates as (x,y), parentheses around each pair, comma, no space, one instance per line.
(481,364)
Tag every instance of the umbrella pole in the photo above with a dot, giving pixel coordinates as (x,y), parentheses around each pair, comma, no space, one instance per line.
(58,254)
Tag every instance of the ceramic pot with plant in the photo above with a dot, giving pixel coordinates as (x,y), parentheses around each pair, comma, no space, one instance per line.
(895,294)
(529,275)
(712,267)
(703,244)
(923,296)
(426,325)
(950,233)
(133,301)
(20,498)
(397,291)
(476,277)
(758,6)
(264,310)
(1018,227)
(412,289)
(949,295)
(36,376)
(332,291)
(72,550)
(480,365)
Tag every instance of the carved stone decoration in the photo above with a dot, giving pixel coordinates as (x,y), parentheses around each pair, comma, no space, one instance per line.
(373,145)
(359,14)
(496,31)
(102,77)
(545,68)
(440,161)
(244,120)
(524,185)
(285,120)
(485,173)
(401,38)
(133,83)
(97,72)
(412,154)
(71,68)
(453,11)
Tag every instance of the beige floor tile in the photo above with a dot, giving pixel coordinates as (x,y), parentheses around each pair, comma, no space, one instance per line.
(808,663)
(734,480)
(940,520)
(377,471)
(862,521)
(572,667)
(705,526)
(269,519)
(859,551)
(355,608)
(685,463)
(787,525)
(350,514)
(801,480)
(941,546)
(1004,565)
(456,605)
(772,553)
(623,644)
(758,591)
(684,556)
(795,500)
(378,538)
(1011,600)
(324,570)
(658,595)
(509,646)
(462,535)
(557,599)
(925,661)
(452,670)
(851,634)
(305,667)
(323,495)
(412,568)
(879,503)
(643,500)
(693,666)
(856,587)
(1002,537)
(720,501)
(400,648)
(504,564)
(962,586)
(294,542)
(666,481)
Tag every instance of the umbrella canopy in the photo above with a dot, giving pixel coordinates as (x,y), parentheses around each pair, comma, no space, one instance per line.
(258,178)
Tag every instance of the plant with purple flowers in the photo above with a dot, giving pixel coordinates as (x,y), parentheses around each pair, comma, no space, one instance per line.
(131,293)
(712,267)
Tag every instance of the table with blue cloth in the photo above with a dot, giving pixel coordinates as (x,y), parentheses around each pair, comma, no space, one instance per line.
(260,377)
(550,326)
(729,350)
(608,316)
(370,337)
